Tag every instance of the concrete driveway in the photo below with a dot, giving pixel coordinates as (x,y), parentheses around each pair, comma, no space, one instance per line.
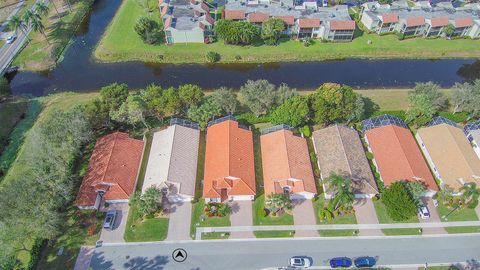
(116,235)
(434,217)
(303,214)
(180,215)
(366,214)
(241,216)
(84,258)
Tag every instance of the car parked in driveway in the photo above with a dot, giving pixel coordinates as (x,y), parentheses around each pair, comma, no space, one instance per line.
(300,262)
(365,261)
(343,262)
(423,212)
(110,220)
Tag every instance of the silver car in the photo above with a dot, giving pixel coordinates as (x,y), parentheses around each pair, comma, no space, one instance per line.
(423,212)
(300,262)
(110,220)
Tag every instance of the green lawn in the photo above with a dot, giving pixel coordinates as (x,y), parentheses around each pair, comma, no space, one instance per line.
(149,229)
(260,219)
(345,219)
(384,218)
(199,219)
(121,43)
(464,214)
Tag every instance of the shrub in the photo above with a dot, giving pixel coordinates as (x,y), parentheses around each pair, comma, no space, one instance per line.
(238,57)
(250,118)
(212,57)
(307,42)
(399,203)
(305,130)
(149,30)
(455,117)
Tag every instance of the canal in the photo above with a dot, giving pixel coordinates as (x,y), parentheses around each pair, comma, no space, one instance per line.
(80,72)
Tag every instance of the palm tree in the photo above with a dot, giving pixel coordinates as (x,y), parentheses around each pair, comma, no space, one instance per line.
(277,202)
(341,188)
(470,193)
(37,25)
(16,23)
(27,16)
(41,8)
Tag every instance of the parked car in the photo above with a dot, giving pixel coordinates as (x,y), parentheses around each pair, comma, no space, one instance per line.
(110,220)
(365,261)
(11,39)
(423,212)
(343,262)
(300,262)
(325,3)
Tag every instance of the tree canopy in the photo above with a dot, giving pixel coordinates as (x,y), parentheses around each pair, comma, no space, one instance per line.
(206,111)
(149,30)
(399,203)
(259,96)
(226,99)
(272,30)
(236,32)
(466,97)
(294,112)
(333,103)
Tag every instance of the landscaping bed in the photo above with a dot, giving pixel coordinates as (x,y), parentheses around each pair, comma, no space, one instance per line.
(259,218)
(344,218)
(200,219)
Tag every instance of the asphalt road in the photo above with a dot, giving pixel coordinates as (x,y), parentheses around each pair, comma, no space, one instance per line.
(8,51)
(258,254)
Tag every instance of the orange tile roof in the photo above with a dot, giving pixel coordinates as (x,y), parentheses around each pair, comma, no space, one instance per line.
(289,20)
(342,25)
(309,22)
(390,17)
(463,22)
(415,21)
(258,17)
(234,14)
(229,161)
(286,162)
(439,21)
(398,156)
(113,168)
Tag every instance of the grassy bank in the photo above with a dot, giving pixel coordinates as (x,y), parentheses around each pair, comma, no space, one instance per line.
(121,43)
(40,54)
(11,112)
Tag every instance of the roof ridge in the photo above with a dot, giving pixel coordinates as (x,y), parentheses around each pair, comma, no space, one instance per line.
(121,188)
(115,136)
(344,152)
(403,150)
(458,148)
(171,154)
(228,148)
(286,151)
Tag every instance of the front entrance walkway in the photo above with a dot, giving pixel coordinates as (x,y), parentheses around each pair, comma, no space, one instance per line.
(241,216)
(180,216)
(116,235)
(303,214)
(365,214)
(434,217)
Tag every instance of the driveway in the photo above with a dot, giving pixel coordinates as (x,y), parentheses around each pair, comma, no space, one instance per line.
(434,217)
(303,214)
(365,214)
(116,235)
(241,216)
(180,215)
(84,258)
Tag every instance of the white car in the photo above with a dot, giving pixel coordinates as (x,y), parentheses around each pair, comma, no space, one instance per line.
(11,39)
(300,262)
(423,212)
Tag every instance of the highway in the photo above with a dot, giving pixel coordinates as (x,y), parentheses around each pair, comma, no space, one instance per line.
(272,253)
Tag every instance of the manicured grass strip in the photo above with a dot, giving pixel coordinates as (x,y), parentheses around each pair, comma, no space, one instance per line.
(260,219)
(121,43)
(344,219)
(199,219)
(384,218)
(148,229)
(463,214)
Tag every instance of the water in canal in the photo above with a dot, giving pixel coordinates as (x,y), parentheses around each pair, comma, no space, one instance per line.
(79,71)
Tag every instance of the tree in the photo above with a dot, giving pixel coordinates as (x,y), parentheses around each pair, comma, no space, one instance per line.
(41,8)
(132,111)
(433,94)
(149,202)
(398,202)
(466,97)
(149,30)
(170,101)
(114,95)
(37,25)
(284,92)
(420,111)
(276,202)
(16,23)
(259,96)
(333,103)
(204,112)
(190,95)
(152,97)
(341,189)
(236,32)
(97,114)
(272,30)
(449,30)
(293,112)
(359,111)
(417,190)
(5,89)
(226,99)
(27,16)
(471,193)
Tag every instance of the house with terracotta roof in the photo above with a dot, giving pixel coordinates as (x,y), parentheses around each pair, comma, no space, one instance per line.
(172,162)
(286,164)
(229,162)
(412,25)
(186,21)
(435,26)
(112,171)
(472,131)
(339,150)
(449,154)
(396,153)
